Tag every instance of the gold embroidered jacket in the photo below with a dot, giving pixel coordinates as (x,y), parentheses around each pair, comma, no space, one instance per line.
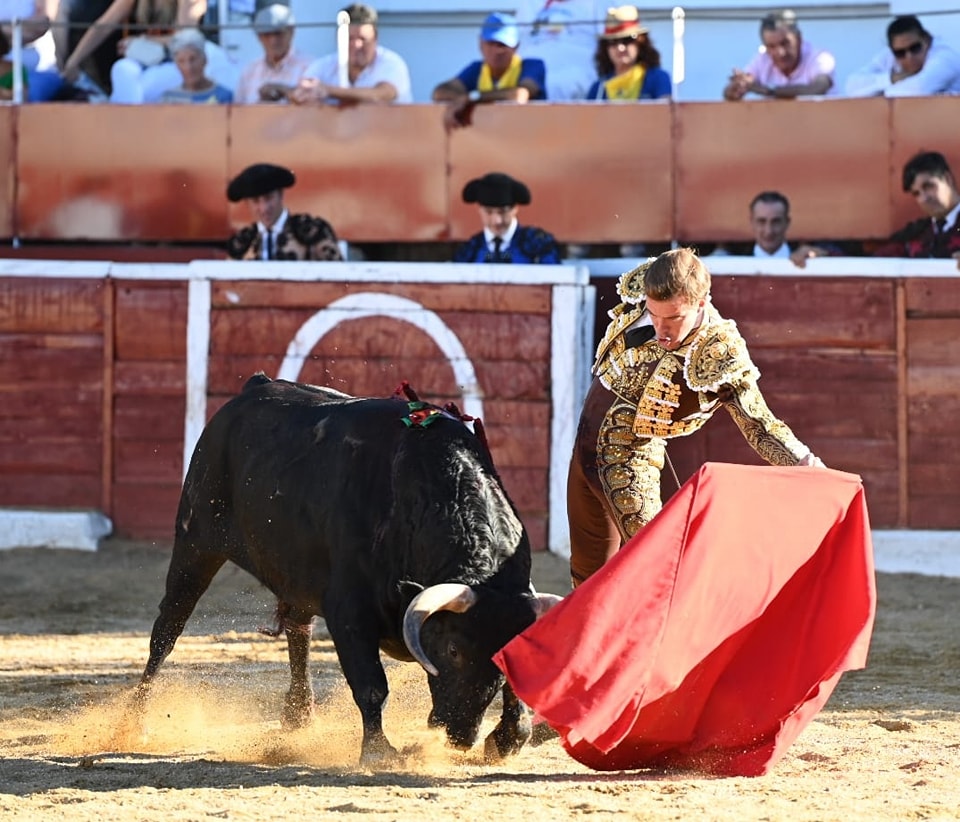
(675,392)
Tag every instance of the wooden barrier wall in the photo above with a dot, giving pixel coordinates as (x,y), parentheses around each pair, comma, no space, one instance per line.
(599,173)
(861,362)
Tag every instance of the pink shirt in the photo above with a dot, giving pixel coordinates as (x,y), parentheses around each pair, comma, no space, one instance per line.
(288,71)
(813,63)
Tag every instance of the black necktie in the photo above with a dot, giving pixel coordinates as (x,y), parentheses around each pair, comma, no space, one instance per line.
(941,224)
(497,242)
(269,238)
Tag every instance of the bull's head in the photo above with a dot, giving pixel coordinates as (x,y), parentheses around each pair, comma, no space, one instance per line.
(457,645)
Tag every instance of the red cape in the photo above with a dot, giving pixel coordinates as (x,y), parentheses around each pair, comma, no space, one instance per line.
(717,633)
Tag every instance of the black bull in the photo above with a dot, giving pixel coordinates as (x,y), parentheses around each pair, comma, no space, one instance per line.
(391,525)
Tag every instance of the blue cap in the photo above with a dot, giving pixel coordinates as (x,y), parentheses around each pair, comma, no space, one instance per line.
(501,28)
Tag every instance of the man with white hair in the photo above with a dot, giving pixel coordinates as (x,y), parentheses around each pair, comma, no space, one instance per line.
(271,78)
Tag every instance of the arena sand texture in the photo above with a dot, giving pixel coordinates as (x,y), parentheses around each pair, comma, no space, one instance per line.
(74,628)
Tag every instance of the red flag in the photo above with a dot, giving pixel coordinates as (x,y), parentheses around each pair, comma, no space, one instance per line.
(717,633)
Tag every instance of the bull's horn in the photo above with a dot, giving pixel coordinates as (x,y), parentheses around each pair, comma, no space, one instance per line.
(544,602)
(448,596)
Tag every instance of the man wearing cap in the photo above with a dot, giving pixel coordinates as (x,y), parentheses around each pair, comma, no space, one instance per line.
(501,76)
(271,78)
(374,74)
(503,239)
(276,234)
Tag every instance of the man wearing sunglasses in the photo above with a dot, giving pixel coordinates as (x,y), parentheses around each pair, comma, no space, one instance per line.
(913,65)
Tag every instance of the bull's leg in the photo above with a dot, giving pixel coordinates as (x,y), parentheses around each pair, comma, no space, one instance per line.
(189,576)
(355,635)
(298,707)
(512,731)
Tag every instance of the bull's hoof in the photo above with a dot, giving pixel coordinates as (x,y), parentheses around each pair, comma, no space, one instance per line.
(504,741)
(542,732)
(379,754)
(296,716)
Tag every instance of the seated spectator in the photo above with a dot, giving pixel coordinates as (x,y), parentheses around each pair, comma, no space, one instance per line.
(276,234)
(42,81)
(271,78)
(627,63)
(374,74)
(928,179)
(144,70)
(501,76)
(189,56)
(563,33)
(503,239)
(786,67)
(770,220)
(34,23)
(913,65)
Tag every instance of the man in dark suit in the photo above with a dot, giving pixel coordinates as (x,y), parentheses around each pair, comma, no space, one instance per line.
(276,234)
(928,179)
(503,239)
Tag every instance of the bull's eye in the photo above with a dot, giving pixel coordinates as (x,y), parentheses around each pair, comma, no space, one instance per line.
(453,652)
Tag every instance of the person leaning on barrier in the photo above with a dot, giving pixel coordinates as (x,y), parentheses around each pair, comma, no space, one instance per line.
(787,67)
(666,363)
(627,63)
(375,74)
(501,76)
(503,239)
(273,77)
(276,234)
(928,179)
(913,64)
(770,221)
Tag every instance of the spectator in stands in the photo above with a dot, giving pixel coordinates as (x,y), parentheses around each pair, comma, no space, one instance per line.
(272,78)
(627,63)
(770,220)
(375,74)
(563,33)
(928,179)
(92,69)
(187,50)
(786,67)
(144,70)
(503,239)
(6,71)
(276,234)
(914,64)
(502,75)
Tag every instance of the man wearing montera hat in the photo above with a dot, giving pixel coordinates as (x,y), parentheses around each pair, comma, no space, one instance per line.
(276,234)
(503,239)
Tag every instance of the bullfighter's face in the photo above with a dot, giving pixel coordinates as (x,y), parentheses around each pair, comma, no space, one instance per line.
(267,208)
(674,319)
(497,219)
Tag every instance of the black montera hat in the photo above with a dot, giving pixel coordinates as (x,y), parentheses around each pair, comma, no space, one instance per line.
(495,190)
(257,180)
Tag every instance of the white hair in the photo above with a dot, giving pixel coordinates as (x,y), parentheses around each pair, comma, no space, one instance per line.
(187,38)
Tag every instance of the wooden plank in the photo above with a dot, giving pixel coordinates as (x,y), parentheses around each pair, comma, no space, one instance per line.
(41,304)
(792,312)
(159,419)
(106,442)
(933,414)
(66,421)
(59,456)
(149,461)
(934,341)
(151,321)
(519,447)
(536,525)
(520,299)
(927,297)
(145,510)
(68,368)
(939,511)
(936,449)
(8,157)
(903,433)
(527,487)
(50,490)
(150,377)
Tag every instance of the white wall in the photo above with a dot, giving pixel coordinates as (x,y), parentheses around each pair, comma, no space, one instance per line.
(437,41)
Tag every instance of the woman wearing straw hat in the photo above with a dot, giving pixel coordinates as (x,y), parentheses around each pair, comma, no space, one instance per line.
(627,63)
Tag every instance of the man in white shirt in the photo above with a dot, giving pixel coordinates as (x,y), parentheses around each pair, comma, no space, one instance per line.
(770,219)
(913,65)
(271,78)
(563,33)
(374,74)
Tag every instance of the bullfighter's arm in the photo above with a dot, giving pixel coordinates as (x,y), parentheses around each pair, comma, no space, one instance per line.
(771,438)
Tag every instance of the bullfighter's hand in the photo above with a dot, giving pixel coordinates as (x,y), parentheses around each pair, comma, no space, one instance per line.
(812,461)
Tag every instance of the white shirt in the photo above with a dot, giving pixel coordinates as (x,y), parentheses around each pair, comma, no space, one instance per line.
(813,63)
(387,67)
(951,219)
(505,241)
(940,75)
(273,231)
(782,253)
(287,72)
(563,33)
